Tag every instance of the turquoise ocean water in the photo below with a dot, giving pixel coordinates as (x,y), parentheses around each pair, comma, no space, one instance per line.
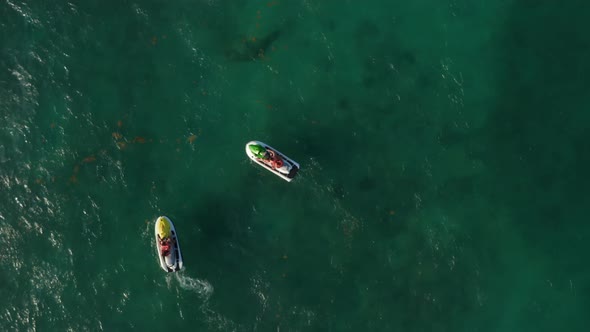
(444,148)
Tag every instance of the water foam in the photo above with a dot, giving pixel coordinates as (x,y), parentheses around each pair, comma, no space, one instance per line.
(202,287)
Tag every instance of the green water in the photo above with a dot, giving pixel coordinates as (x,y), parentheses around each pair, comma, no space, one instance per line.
(444,147)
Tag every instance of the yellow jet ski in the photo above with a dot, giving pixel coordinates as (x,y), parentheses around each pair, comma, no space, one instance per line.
(167,245)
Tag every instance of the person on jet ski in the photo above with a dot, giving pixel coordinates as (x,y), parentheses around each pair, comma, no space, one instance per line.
(165,245)
(268,156)
(273,159)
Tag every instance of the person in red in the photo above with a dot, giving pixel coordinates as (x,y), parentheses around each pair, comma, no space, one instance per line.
(273,159)
(268,157)
(165,245)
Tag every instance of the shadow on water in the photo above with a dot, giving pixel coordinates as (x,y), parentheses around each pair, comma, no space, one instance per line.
(252,49)
(538,132)
(225,249)
(539,143)
(341,128)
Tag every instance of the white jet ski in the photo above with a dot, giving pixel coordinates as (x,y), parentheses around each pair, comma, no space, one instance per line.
(167,245)
(273,160)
